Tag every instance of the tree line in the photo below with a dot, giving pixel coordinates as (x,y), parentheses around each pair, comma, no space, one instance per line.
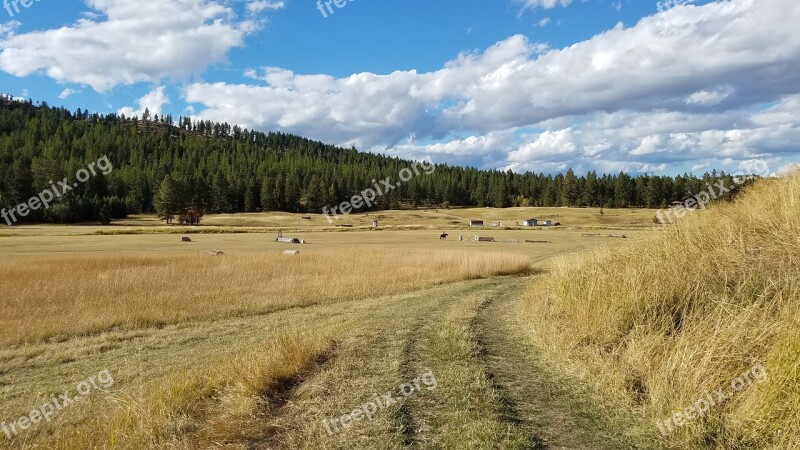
(190,166)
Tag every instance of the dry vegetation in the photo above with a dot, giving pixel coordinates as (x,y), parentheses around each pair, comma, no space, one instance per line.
(440,218)
(657,324)
(225,403)
(396,220)
(57,297)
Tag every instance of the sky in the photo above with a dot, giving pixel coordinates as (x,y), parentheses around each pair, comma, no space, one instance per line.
(642,86)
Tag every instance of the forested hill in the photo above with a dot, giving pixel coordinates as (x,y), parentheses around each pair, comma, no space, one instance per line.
(223,168)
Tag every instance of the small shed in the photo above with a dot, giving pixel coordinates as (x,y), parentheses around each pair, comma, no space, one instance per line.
(530,223)
(546,223)
(476,223)
(291,240)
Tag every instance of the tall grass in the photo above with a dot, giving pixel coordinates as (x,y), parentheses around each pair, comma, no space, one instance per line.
(59,297)
(224,403)
(659,323)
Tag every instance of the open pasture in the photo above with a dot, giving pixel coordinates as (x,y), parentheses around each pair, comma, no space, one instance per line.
(170,321)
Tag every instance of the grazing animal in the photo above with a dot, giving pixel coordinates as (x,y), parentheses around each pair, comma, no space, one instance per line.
(443,237)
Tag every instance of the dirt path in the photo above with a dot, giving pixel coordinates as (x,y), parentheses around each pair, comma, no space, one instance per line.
(458,348)
(465,410)
(541,402)
(486,388)
(376,344)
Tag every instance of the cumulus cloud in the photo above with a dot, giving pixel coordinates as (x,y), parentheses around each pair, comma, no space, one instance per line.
(154,101)
(128,41)
(667,138)
(691,85)
(681,85)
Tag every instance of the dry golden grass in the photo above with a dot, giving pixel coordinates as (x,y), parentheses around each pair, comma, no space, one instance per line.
(435,218)
(58,297)
(217,406)
(658,324)
(395,220)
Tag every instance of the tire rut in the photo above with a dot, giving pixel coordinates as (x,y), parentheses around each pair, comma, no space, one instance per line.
(554,415)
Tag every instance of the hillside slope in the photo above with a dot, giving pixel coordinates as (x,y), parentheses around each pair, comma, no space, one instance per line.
(160,165)
(660,325)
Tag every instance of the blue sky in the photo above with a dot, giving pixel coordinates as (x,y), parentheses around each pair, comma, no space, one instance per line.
(607,85)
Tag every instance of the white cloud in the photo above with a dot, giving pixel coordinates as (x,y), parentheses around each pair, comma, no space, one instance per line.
(669,4)
(663,139)
(710,97)
(545,4)
(265,5)
(66,93)
(7,28)
(154,101)
(679,86)
(138,40)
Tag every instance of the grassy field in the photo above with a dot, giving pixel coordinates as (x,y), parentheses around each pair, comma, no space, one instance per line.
(161,314)
(712,302)
(423,219)
(254,349)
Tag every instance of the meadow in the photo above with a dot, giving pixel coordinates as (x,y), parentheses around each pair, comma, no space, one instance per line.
(566,342)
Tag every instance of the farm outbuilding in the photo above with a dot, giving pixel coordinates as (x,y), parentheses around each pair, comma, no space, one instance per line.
(530,223)
(546,223)
(476,223)
(291,240)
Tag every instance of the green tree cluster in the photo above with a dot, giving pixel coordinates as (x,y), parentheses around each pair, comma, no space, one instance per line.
(164,166)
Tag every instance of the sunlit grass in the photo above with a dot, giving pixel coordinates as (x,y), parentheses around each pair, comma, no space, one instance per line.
(58,297)
(657,324)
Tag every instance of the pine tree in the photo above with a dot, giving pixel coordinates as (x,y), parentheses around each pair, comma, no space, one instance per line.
(569,189)
(168,201)
(267,198)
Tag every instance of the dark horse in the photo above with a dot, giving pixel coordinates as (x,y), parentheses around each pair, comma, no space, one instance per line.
(443,237)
